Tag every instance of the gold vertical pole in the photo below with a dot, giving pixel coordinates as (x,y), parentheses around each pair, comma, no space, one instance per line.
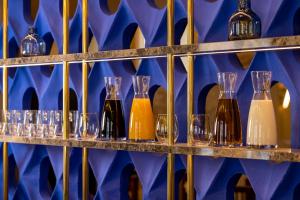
(5,96)
(85,169)
(66,99)
(170,98)
(190,98)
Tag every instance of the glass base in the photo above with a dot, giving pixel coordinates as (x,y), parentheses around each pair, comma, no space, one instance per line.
(142,140)
(227,145)
(113,139)
(273,146)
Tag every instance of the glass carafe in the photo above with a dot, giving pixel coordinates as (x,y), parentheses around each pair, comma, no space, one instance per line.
(32,44)
(261,130)
(228,131)
(113,122)
(244,23)
(141,125)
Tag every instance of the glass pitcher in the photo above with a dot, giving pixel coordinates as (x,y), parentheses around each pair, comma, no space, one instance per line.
(113,122)
(141,125)
(261,130)
(228,131)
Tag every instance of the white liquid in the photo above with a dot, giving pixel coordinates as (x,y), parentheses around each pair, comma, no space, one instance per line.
(261,130)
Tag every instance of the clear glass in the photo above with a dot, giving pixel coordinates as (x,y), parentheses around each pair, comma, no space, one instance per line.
(162,128)
(73,120)
(244,23)
(261,129)
(113,122)
(43,122)
(141,125)
(89,123)
(56,123)
(19,120)
(7,119)
(30,120)
(9,123)
(200,130)
(32,44)
(228,129)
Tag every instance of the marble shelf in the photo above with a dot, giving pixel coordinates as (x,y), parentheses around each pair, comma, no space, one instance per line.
(253,45)
(276,155)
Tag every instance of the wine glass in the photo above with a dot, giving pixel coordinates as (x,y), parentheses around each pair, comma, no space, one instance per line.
(89,125)
(162,128)
(200,130)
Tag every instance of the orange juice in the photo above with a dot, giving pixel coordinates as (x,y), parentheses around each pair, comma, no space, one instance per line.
(141,125)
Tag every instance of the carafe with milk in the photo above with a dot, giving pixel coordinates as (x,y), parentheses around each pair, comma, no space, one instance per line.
(261,130)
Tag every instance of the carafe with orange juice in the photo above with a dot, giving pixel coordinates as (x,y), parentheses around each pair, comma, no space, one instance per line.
(141,125)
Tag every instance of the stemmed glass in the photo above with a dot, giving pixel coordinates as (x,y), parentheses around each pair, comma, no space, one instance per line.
(89,125)
(162,128)
(200,130)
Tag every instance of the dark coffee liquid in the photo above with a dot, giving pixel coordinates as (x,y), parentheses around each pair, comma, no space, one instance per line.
(113,124)
(228,131)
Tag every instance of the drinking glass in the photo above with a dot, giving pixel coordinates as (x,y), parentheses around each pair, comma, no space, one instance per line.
(73,120)
(89,124)
(7,128)
(56,123)
(43,122)
(200,130)
(162,128)
(30,119)
(19,121)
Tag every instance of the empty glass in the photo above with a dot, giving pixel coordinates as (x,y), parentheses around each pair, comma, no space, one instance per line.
(56,123)
(89,125)
(30,119)
(73,120)
(8,122)
(200,130)
(19,122)
(162,128)
(43,121)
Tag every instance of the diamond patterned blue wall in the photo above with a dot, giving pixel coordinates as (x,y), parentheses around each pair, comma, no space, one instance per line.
(114,31)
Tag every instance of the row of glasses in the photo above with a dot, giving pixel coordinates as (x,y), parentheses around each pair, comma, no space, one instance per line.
(200,129)
(47,123)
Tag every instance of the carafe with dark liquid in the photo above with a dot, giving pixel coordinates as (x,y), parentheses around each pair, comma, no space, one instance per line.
(113,123)
(228,130)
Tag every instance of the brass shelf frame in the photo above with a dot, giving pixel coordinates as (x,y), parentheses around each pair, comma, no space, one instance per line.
(275,155)
(223,47)
(170,51)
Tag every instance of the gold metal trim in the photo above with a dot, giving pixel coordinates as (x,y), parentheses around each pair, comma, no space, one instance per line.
(190,99)
(5,95)
(66,159)
(170,99)
(85,169)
